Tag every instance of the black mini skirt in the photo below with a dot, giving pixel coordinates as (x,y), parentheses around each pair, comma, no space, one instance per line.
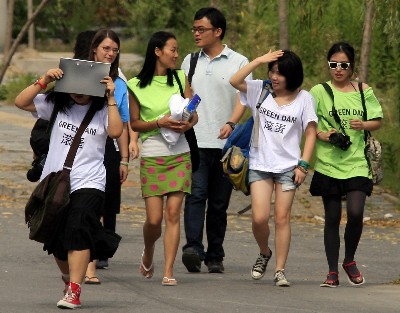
(323,185)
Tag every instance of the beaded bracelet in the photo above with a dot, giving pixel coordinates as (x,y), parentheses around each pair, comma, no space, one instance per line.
(124,163)
(302,169)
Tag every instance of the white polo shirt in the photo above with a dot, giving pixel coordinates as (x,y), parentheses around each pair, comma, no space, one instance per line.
(211,82)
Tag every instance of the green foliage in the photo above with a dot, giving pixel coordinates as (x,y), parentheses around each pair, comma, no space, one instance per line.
(3,93)
(252,29)
(14,86)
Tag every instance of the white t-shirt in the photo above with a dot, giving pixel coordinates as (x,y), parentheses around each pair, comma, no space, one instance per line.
(88,170)
(281,129)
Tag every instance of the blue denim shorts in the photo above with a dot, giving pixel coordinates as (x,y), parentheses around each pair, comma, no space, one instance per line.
(286,178)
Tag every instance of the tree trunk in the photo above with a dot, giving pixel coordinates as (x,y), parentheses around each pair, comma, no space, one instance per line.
(21,34)
(283,25)
(31,32)
(8,37)
(366,41)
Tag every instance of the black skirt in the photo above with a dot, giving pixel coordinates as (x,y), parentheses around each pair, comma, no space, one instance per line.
(323,185)
(82,229)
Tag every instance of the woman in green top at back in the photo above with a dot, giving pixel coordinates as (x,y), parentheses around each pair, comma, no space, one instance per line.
(341,168)
(165,169)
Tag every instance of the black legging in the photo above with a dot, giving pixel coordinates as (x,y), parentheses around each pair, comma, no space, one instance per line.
(355,201)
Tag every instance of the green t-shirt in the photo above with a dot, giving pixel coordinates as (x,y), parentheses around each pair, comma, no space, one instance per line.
(154,98)
(331,160)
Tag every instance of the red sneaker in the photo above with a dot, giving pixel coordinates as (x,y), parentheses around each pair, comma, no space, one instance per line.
(332,280)
(354,276)
(71,298)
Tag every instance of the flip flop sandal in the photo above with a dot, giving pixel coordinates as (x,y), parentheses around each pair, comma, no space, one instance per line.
(94,280)
(146,272)
(354,276)
(166,281)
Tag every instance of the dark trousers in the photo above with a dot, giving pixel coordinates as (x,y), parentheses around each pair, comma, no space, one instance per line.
(212,189)
(112,200)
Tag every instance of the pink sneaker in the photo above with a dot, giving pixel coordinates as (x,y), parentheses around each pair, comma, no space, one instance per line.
(71,298)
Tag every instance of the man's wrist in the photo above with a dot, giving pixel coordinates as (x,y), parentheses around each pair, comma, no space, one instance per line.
(231,124)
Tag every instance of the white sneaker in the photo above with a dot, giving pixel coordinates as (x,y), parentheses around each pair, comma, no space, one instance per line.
(280,279)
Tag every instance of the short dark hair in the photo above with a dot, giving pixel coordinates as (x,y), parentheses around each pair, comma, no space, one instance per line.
(97,39)
(344,47)
(216,17)
(290,66)
(157,40)
(82,44)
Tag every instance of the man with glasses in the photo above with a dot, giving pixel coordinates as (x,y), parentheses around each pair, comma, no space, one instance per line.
(219,111)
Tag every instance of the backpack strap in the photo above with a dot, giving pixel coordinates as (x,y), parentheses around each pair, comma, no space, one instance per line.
(52,119)
(179,83)
(366,133)
(194,56)
(77,139)
(267,89)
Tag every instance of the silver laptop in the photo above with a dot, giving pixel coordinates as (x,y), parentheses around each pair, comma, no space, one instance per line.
(82,77)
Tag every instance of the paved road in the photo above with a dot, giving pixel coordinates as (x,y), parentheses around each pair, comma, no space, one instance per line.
(30,282)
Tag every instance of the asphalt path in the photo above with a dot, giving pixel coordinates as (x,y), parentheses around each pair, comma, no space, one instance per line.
(30,281)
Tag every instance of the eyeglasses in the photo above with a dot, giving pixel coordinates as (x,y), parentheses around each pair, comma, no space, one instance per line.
(342,65)
(201,30)
(109,49)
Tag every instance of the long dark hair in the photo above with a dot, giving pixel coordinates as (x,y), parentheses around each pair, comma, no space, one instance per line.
(98,38)
(157,40)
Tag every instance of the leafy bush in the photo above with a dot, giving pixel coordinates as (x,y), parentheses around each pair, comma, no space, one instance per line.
(3,93)
(14,87)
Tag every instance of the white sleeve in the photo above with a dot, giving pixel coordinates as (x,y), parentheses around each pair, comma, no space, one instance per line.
(43,108)
(254,88)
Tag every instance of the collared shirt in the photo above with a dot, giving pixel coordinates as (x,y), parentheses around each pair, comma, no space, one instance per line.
(211,82)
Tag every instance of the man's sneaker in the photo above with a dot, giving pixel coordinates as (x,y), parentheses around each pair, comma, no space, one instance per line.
(191,259)
(71,298)
(102,264)
(280,279)
(215,266)
(258,269)
(332,280)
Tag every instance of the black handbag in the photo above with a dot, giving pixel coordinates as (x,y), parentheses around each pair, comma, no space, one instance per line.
(48,203)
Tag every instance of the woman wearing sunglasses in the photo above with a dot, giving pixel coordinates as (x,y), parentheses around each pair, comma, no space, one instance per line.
(341,169)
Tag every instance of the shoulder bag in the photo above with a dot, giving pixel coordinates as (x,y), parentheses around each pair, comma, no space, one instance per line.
(48,203)
(373,148)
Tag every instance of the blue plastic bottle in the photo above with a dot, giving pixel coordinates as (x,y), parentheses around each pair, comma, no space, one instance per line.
(190,108)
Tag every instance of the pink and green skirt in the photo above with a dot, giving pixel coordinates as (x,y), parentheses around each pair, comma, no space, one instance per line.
(165,174)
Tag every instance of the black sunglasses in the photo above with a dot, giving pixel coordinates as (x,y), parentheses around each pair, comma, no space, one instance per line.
(335,65)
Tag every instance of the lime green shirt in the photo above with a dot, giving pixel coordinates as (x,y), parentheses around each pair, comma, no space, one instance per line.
(154,98)
(331,160)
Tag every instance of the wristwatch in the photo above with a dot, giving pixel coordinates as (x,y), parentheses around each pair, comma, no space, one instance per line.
(231,124)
